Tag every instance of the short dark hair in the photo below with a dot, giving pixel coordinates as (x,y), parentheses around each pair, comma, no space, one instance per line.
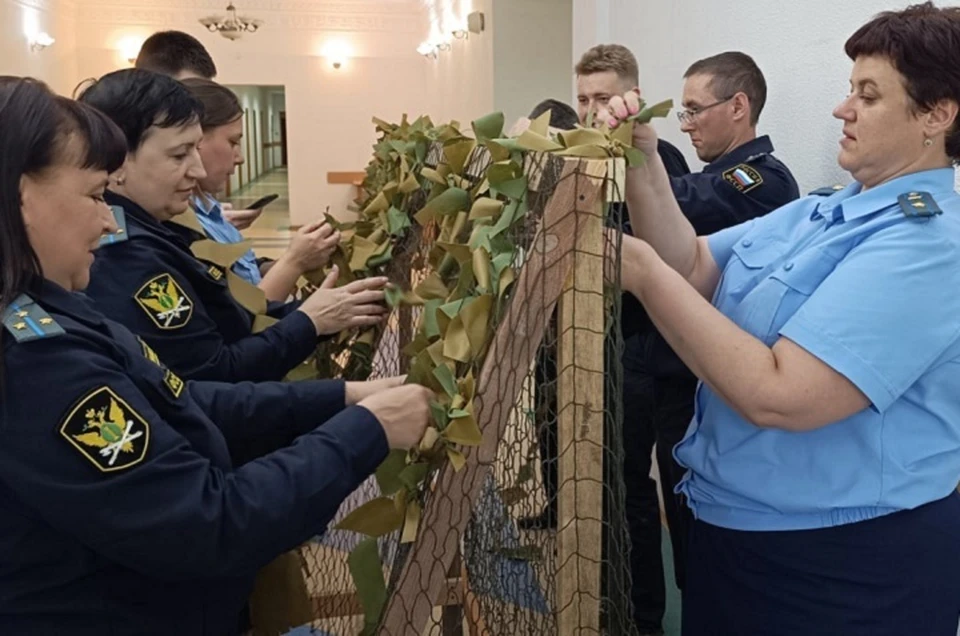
(39,130)
(136,100)
(172,52)
(731,73)
(220,104)
(923,43)
(562,115)
(610,57)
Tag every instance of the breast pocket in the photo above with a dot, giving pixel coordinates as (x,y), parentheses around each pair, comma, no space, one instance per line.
(740,296)
(782,291)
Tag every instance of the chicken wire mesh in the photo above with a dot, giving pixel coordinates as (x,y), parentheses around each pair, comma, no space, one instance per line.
(550,410)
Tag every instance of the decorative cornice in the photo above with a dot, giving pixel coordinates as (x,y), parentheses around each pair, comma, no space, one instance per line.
(48,6)
(302,15)
(387,7)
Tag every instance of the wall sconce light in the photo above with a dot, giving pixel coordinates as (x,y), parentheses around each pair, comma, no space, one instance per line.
(428,50)
(336,53)
(442,44)
(476,22)
(459,29)
(40,41)
(129,48)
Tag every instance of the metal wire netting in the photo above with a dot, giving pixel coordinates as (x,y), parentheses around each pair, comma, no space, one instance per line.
(530,536)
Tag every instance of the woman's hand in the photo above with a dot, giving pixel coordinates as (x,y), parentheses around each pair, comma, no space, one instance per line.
(636,259)
(240,219)
(312,245)
(357,304)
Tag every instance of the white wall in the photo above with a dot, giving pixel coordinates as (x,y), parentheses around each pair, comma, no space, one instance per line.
(531,51)
(56,65)
(798,46)
(328,111)
(461,80)
(520,59)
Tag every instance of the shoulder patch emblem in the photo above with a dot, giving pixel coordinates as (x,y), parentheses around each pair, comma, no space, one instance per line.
(918,205)
(165,302)
(743,177)
(107,431)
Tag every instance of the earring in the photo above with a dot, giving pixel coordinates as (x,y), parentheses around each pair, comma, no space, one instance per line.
(121,181)
(928,142)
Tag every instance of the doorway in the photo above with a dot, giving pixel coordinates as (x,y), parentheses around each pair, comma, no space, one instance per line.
(264,135)
(264,171)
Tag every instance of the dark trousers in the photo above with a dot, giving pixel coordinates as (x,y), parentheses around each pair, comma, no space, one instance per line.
(897,575)
(545,413)
(656,412)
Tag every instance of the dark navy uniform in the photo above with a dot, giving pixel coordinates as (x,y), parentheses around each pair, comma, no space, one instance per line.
(134,503)
(183,307)
(658,388)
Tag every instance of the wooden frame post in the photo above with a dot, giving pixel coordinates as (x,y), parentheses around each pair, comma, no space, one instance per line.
(580,413)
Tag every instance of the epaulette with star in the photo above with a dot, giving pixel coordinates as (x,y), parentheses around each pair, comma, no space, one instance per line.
(918,205)
(27,320)
(826,191)
(121,234)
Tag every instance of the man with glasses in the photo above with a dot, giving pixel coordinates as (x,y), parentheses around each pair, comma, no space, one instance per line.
(723,96)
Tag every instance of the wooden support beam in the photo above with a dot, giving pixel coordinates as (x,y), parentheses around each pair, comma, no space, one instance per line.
(580,412)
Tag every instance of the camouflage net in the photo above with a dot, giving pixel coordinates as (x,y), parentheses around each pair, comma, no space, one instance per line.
(504,307)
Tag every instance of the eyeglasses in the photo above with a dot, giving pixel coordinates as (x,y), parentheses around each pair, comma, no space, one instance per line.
(687,116)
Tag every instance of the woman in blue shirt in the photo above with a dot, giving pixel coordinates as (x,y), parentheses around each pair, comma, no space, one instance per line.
(824,453)
(220,151)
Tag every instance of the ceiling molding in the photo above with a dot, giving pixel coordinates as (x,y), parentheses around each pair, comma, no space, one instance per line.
(48,6)
(302,15)
(386,7)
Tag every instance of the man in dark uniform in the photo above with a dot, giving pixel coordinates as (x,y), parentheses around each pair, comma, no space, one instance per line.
(602,72)
(723,96)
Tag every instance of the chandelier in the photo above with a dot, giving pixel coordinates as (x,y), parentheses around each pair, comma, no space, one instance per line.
(232,27)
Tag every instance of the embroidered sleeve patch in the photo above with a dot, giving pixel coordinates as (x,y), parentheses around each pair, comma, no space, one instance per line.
(165,302)
(743,177)
(215,273)
(107,431)
(149,353)
(173,382)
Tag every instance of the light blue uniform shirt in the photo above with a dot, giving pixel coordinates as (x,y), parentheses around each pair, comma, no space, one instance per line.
(210,213)
(874,294)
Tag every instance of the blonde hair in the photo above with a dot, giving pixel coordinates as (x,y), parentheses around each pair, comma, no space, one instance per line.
(610,57)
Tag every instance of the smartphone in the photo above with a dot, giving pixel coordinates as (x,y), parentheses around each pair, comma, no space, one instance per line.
(263,202)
